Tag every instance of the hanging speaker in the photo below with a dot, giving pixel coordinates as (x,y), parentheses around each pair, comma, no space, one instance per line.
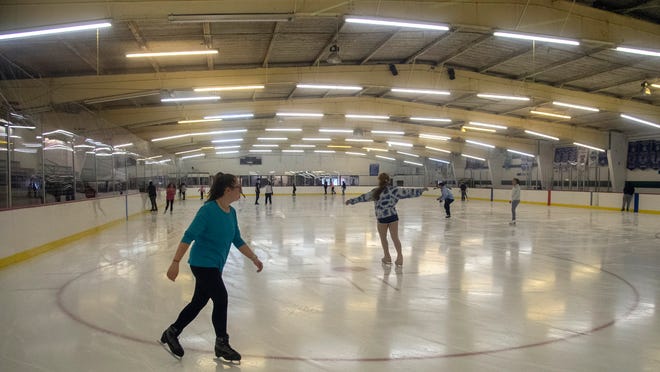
(393,69)
(451,73)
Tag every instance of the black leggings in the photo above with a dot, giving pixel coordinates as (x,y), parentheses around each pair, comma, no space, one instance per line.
(208,285)
(169,204)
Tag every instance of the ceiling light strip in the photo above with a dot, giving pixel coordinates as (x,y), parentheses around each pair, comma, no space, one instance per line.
(397,23)
(536,37)
(641,121)
(421,91)
(589,147)
(172,54)
(224,89)
(541,135)
(550,114)
(579,107)
(328,87)
(520,153)
(57,29)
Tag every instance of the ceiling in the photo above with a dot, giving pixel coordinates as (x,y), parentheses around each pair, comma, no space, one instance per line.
(84,82)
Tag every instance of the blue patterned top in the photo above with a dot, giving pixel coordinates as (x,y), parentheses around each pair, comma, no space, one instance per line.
(385,206)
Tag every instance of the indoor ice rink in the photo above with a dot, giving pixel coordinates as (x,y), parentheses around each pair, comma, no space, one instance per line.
(566,289)
(105,104)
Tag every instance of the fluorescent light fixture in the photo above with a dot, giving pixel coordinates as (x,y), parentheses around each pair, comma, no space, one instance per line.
(480,144)
(384,157)
(191,99)
(403,144)
(407,153)
(638,51)
(393,132)
(197,121)
(316,139)
(434,137)
(421,91)
(655,85)
(226,152)
(500,96)
(224,89)
(186,152)
(83,147)
(293,150)
(56,29)
(266,145)
(191,156)
(439,160)
(441,120)
(472,157)
(300,114)
(413,163)
(550,114)
(230,116)
(119,153)
(229,17)
(227,147)
(304,146)
(264,150)
(589,147)
(339,146)
(520,153)
(640,120)
(358,140)
(336,130)
(437,149)
(377,117)
(123,145)
(283,129)
(272,139)
(227,140)
(541,135)
(375,149)
(155,157)
(329,87)
(486,125)
(172,54)
(356,153)
(325,151)
(579,107)
(165,161)
(547,39)
(397,23)
(467,127)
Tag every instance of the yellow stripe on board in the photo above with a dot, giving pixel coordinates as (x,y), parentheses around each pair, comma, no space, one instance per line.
(36,251)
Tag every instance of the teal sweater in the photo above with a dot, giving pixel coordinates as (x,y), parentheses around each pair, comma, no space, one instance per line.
(213,231)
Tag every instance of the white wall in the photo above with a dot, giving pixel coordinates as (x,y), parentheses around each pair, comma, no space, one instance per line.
(27,228)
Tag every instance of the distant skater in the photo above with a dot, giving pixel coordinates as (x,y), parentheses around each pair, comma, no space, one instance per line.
(515,199)
(268,191)
(628,193)
(294,190)
(464,196)
(257,191)
(214,230)
(343,187)
(151,190)
(202,190)
(447,196)
(385,197)
(170,193)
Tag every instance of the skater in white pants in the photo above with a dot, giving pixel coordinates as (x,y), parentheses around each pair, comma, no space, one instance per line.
(515,199)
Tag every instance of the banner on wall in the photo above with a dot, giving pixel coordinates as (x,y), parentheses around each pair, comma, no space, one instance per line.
(644,155)
(566,155)
(373,169)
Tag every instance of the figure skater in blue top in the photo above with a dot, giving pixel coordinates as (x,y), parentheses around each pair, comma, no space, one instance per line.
(385,198)
(214,230)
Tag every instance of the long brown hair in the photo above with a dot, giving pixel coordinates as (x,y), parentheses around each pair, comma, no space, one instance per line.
(383,182)
(220,183)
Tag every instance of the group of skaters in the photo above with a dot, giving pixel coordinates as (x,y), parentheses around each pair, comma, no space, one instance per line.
(215,228)
(332,188)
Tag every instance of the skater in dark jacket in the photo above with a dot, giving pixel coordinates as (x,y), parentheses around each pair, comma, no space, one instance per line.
(214,230)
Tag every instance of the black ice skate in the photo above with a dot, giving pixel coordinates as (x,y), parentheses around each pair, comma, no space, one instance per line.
(169,337)
(223,350)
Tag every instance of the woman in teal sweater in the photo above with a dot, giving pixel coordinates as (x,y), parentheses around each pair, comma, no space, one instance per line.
(214,230)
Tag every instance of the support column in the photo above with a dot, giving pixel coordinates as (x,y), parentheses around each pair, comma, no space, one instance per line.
(545,159)
(458,163)
(496,167)
(617,157)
